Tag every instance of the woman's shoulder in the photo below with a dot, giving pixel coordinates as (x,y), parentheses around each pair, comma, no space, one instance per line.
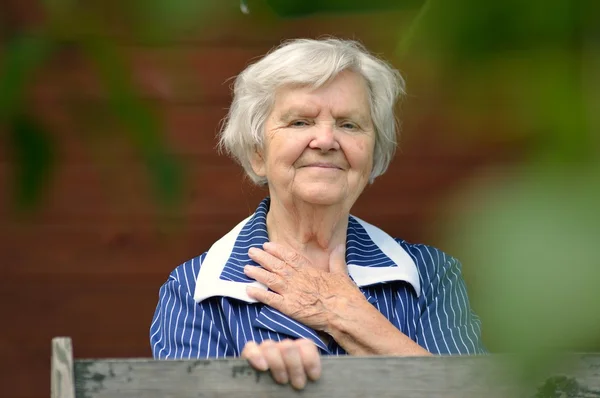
(423,250)
(186,274)
(430,261)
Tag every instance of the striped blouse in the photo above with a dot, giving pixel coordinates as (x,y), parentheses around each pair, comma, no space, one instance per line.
(203,310)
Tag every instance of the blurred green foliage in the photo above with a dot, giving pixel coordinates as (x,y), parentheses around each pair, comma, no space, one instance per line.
(303,8)
(527,233)
(89,30)
(34,159)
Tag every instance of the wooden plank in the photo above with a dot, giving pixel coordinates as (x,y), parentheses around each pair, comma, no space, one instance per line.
(62,383)
(26,374)
(120,245)
(115,246)
(188,131)
(106,315)
(103,239)
(82,196)
(183,74)
(348,377)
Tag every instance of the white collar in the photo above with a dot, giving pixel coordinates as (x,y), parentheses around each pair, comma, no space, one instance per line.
(209,282)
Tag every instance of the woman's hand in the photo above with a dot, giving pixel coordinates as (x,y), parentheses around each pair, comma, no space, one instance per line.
(292,361)
(325,301)
(311,296)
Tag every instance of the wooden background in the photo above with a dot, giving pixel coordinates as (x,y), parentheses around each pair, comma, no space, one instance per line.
(89,264)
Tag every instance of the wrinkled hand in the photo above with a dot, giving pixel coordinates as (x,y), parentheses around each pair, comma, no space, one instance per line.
(299,290)
(292,361)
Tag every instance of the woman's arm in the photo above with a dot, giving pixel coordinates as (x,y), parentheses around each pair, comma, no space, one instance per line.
(362,330)
(446,324)
(183,329)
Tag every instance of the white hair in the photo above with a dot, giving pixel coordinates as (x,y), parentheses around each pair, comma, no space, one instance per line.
(309,62)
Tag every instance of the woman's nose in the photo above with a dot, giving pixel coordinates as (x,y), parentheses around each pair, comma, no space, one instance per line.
(324,138)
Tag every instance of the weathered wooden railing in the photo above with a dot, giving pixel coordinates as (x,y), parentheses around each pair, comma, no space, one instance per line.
(348,377)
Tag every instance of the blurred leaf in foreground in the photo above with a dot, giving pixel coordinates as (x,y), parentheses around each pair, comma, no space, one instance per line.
(473,29)
(33,156)
(21,56)
(532,246)
(167,19)
(30,146)
(140,122)
(303,8)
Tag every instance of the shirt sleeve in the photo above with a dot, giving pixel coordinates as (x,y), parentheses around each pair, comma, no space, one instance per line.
(184,329)
(447,324)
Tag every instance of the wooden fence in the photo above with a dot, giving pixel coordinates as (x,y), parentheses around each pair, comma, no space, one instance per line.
(349,377)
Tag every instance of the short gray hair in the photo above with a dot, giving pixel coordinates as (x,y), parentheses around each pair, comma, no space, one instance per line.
(309,62)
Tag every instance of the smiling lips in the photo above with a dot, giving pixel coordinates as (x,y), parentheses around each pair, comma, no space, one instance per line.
(323,165)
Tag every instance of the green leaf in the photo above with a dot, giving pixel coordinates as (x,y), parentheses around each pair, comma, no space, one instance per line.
(533,243)
(301,8)
(464,29)
(22,55)
(167,176)
(142,125)
(33,156)
(167,19)
(59,7)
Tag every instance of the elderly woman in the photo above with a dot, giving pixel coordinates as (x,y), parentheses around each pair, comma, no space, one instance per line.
(313,121)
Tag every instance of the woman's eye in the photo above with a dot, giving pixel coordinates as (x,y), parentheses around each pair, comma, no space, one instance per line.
(299,123)
(349,126)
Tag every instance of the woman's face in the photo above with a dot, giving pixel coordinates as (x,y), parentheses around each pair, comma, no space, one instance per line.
(319,142)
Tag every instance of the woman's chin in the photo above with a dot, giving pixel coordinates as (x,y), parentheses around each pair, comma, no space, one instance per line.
(322,197)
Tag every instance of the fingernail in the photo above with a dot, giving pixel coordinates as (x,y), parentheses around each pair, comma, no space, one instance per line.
(266,245)
(261,363)
(282,377)
(299,382)
(314,372)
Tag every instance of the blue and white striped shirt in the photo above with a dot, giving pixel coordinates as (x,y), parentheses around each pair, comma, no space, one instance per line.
(204,312)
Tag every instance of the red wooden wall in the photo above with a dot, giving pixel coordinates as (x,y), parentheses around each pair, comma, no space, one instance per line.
(89,264)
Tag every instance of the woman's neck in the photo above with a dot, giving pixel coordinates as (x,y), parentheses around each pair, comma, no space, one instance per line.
(313,231)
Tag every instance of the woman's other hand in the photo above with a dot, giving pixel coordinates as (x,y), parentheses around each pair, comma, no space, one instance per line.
(290,361)
(303,292)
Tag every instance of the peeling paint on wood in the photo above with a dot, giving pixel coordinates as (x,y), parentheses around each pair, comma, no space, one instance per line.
(564,386)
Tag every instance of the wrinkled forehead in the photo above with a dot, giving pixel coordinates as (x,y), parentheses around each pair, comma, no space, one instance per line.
(345,94)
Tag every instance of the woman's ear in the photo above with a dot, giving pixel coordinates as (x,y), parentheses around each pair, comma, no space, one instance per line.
(257,161)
